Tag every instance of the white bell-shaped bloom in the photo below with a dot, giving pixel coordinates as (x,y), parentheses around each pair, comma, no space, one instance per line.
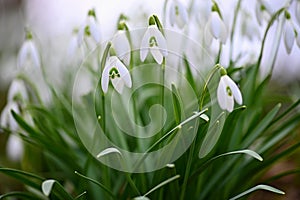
(6,118)
(17,90)
(227,92)
(117,73)
(178,14)
(28,54)
(262,11)
(289,36)
(14,148)
(215,27)
(122,46)
(154,40)
(90,28)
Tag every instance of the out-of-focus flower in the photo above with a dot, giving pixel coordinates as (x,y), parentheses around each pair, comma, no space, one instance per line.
(227,92)
(262,11)
(122,46)
(14,148)
(215,27)
(6,118)
(17,91)
(28,53)
(297,11)
(117,73)
(289,36)
(178,14)
(90,28)
(154,40)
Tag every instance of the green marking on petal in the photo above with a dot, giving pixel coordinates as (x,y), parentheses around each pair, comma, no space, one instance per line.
(228,90)
(177,10)
(152,42)
(87,31)
(114,73)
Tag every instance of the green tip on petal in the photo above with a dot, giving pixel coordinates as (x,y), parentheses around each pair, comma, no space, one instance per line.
(223,71)
(151,21)
(28,35)
(112,51)
(92,13)
(122,26)
(287,15)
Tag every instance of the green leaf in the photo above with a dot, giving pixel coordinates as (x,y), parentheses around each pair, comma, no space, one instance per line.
(176,103)
(19,195)
(258,187)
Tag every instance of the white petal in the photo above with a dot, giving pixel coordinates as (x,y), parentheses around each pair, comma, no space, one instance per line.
(122,46)
(105,75)
(297,12)
(207,35)
(118,84)
(172,13)
(16,88)
(215,25)
(222,94)
(14,148)
(182,18)
(298,39)
(234,89)
(80,35)
(258,12)
(7,120)
(145,45)
(289,36)
(34,54)
(157,55)
(160,39)
(229,103)
(47,186)
(223,35)
(23,54)
(124,73)
(94,29)
(73,45)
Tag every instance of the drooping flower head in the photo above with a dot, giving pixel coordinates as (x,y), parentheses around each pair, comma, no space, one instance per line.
(17,91)
(178,14)
(90,28)
(262,11)
(228,92)
(289,33)
(154,41)
(28,54)
(116,72)
(215,26)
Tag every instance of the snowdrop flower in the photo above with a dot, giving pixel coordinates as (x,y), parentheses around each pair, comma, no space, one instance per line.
(289,36)
(14,148)
(227,92)
(117,73)
(17,91)
(154,40)
(122,46)
(262,11)
(89,28)
(178,14)
(6,118)
(297,11)
(215,27)
(28,53)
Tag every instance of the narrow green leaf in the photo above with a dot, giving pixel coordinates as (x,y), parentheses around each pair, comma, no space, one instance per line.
(176,103)
(189,75)
(20,195)
(258,187)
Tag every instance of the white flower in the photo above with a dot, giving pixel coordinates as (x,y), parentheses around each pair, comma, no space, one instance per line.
(6,118)
(227,92)
(289,36)
(28,54)
(117,73)
(89,28)
(14,148)
(17,90)
(154,40)
(122,47)
(215,27)
(178,14)
(262,11)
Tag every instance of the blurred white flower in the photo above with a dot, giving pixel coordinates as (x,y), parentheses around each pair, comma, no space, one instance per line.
(216,28)
(289,36)
(117,73)
(14,148)
(262,11)
(90,28)
(178,14)
(6,118)
(122,46)
(154,40)
(17,91)
(297,11)
(227,92)
(28,54)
